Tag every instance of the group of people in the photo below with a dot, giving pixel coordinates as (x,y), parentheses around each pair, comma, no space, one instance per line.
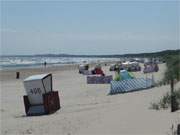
(97,70)
(129,66)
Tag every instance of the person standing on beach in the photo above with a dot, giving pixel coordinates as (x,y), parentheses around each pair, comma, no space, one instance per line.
(45,64)
(117,73)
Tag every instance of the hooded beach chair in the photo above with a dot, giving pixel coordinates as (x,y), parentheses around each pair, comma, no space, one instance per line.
(40,98)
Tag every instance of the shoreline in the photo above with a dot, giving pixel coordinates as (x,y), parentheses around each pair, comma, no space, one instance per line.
(51,66)
(7,74)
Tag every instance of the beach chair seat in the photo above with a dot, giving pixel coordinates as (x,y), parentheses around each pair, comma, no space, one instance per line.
(50,104)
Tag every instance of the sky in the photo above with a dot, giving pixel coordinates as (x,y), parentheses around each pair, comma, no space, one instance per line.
(88,27)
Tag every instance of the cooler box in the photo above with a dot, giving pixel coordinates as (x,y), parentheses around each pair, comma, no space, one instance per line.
(40,98)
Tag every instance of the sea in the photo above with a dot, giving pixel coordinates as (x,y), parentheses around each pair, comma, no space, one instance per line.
(19,62)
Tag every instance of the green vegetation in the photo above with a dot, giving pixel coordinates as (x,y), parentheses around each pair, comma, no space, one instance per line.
(165,101)
(162,54)
(172,75)
(173,67)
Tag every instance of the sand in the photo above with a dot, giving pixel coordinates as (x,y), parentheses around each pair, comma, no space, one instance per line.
(85,109)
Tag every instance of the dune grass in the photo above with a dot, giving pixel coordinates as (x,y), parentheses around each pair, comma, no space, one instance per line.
(165,101)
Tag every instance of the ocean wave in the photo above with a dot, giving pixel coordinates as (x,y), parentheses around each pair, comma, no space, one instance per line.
(10,62)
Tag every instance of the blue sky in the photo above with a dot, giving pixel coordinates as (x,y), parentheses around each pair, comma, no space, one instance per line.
(88,27)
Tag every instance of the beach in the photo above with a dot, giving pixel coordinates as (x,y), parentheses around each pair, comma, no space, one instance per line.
(86,109)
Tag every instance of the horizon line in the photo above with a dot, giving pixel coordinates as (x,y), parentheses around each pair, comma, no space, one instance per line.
(66,54)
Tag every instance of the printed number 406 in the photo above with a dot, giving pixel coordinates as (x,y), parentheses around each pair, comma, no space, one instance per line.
(35,91)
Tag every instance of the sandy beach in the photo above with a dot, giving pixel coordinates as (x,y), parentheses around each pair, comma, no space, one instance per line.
(86,109)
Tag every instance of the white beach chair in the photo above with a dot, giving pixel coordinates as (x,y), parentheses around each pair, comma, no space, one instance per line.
(40,98)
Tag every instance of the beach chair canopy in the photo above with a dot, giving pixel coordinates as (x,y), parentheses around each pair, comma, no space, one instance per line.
(84,67)
(36,86)
(98,66)
(131,66)
(148,68)
(124,75)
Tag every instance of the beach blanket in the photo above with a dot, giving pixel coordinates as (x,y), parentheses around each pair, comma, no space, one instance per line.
(130,85)
(98,79)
